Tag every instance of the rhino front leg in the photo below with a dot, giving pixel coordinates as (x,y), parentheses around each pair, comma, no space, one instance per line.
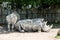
(39,29)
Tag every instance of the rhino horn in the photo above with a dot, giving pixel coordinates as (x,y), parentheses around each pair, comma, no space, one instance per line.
(51,26)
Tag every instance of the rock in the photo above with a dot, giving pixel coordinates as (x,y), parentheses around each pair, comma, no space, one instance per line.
(58,33)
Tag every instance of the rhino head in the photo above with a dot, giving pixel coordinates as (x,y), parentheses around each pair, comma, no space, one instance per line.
(47,28)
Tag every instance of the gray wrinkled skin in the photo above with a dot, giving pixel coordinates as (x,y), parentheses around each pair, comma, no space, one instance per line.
(23,24)
(12,19)
(29,25)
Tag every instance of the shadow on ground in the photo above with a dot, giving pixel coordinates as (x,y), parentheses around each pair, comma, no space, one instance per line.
(3,30)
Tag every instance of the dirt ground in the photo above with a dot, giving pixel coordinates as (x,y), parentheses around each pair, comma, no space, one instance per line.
(30,36)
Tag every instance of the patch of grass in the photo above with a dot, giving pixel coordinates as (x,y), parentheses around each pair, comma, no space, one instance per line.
(58,36)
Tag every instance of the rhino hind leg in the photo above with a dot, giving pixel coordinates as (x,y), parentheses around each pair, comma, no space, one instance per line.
(8,27)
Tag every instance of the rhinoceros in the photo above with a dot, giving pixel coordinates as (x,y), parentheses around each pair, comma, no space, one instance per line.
(12,19)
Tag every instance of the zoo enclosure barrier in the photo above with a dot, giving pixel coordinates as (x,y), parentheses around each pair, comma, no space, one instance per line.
(51,15)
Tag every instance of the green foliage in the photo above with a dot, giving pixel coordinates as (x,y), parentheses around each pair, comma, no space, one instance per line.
(35,2)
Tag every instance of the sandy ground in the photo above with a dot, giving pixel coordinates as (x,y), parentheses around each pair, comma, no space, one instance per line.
(30,36)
